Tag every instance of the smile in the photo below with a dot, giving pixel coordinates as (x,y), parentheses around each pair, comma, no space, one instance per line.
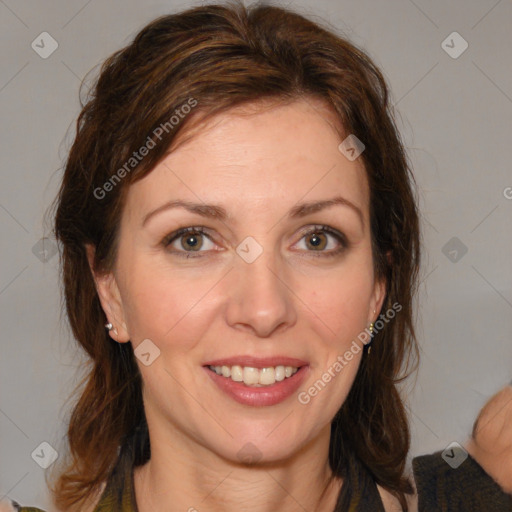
(257,386)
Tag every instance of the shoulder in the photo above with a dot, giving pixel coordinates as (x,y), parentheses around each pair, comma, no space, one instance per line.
(93,502)
(7,505)
(391,504)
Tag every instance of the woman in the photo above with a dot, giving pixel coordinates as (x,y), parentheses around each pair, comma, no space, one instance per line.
(240,255)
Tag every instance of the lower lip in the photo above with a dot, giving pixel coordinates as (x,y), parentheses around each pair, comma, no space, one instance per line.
(259,396)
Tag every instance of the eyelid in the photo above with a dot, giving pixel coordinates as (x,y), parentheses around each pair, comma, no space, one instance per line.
(340,236)
(307,230)
(181,231)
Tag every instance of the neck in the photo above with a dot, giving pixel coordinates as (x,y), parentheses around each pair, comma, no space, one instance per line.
(184,476)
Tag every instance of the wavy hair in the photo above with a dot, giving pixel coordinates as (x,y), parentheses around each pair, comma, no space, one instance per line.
(223,56)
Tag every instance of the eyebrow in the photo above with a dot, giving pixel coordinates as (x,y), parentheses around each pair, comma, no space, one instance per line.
(218,212)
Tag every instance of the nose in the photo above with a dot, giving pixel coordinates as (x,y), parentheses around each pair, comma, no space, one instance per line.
(260,301)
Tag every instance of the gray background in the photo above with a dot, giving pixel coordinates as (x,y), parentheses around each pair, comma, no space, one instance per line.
(455,119)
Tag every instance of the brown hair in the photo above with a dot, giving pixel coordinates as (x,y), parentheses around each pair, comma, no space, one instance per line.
(222,56)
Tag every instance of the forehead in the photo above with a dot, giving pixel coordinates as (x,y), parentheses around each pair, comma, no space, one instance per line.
(253,160)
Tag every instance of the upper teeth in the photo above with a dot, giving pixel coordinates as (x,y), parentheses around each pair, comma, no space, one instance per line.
(255,376)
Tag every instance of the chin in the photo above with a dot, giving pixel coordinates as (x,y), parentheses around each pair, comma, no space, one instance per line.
(260,448)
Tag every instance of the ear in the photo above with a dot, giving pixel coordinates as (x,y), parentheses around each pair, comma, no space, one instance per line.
(378,296)
(110,298)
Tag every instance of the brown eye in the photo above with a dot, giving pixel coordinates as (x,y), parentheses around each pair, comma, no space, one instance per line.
(318,240)
(187,240)
(191,240)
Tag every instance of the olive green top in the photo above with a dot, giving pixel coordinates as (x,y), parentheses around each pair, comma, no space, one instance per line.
(125,497)
(441,488)
(107,502)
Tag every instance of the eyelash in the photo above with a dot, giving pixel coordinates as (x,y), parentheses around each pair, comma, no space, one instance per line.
(315,229)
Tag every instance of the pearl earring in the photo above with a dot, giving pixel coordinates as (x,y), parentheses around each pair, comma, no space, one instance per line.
(109,326)
(370,328)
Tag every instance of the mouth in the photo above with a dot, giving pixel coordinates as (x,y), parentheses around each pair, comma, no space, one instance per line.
(257,382)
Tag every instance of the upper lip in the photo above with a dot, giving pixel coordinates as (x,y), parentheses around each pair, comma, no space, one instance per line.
(257,362)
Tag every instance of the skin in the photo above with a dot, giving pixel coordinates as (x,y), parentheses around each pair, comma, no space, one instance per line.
(293,300)
(491,444)
(257,167)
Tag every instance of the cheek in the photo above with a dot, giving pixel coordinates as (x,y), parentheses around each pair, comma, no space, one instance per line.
(341,302)
(162,305)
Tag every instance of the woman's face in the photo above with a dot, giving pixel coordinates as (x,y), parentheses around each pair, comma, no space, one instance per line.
(253,289)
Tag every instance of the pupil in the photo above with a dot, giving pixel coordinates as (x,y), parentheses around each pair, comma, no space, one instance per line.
(315,237)
(192,241)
